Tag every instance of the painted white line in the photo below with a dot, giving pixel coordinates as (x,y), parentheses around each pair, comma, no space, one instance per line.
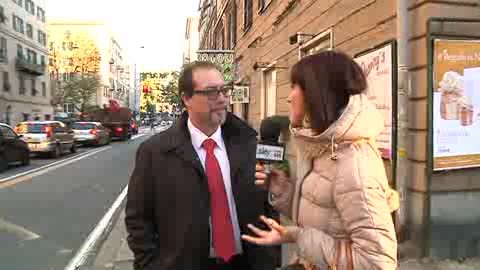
(54,165)
(97,234)
(18,231)
(137,136)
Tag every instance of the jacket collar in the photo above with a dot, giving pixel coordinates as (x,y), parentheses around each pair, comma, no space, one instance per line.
(235,132)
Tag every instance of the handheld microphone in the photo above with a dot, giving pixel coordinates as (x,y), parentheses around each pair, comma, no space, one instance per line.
(269,150)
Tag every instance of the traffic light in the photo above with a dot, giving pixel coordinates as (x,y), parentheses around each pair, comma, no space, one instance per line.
(146,89)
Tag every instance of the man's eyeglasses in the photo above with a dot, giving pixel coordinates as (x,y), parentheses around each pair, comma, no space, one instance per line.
(212,93)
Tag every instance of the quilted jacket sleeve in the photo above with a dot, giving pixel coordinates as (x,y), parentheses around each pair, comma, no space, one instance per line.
(360,195)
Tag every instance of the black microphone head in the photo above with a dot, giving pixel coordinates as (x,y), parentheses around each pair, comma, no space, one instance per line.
(269,131)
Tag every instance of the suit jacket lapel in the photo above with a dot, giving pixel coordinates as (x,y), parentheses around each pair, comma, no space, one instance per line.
(235,158)
(188,154)
(183,148)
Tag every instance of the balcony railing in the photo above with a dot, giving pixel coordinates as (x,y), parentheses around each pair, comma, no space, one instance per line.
(24,65)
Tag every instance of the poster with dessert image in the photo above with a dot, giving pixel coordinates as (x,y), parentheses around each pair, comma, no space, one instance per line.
(456,104)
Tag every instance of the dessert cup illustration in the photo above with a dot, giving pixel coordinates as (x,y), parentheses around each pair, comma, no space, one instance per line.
(466,111)
(452,89)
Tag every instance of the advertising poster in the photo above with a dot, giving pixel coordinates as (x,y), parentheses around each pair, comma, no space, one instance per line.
(378,68)
(456,104)
(223,59)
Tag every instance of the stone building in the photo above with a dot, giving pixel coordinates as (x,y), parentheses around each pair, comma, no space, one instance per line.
(24,79)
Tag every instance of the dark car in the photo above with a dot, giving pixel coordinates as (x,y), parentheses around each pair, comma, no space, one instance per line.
(12,148)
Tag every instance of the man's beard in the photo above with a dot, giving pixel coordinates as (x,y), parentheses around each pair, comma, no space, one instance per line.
(218,117)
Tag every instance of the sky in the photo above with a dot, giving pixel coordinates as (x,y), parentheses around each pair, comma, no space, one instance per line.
(157,25)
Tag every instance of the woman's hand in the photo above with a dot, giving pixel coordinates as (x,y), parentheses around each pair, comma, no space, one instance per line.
(277,235)
(276,182)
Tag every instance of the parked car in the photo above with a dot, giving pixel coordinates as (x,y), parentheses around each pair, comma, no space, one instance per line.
(90,133)
(12,148)
(52,137)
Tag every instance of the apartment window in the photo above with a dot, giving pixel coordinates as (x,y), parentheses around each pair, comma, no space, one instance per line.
(43,60)
(269,92)
(232,28)
(20,51)
(247,14)
(3,50)
(2,15)
(44,89)
(31,56)
(40,14)
(21,85)
(69,108)
(34,58)
(18,24)
(42,38)
(19,2)
(6,81)
(33,84)
(29,31)
(30,6)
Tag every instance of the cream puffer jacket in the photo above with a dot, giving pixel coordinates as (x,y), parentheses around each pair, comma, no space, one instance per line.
(342,193)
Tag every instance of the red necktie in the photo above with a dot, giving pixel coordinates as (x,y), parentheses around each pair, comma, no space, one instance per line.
(223,237)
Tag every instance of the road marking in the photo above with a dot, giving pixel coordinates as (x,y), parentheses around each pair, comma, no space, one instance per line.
(45,166)
(137,136)
(99,233)
(18,231)
(21,177)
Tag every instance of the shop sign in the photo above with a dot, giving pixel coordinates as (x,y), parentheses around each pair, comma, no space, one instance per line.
(378,66)
(240,94)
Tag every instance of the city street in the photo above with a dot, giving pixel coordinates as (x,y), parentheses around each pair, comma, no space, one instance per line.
(48,209)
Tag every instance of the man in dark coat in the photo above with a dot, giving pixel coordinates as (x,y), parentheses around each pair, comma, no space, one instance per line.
(192,193)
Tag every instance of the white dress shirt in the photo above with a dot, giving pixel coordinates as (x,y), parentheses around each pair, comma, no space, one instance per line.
(220,151)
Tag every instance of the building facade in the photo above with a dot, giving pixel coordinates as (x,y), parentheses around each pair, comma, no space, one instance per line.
(269,37)
(90,46)
(24,79)
(191,40)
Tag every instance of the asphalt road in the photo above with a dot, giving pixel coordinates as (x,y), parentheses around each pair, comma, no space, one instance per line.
(45,216)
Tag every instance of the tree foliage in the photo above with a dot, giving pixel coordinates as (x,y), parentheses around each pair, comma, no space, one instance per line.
(169,91)
(164,89)
(76,58)
(80,90)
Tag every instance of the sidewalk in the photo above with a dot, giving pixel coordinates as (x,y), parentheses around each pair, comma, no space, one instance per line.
(115,255)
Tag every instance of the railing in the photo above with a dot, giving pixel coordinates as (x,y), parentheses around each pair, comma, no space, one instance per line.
(24,65)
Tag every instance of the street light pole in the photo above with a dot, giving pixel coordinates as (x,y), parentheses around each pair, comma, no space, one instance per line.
(136,86)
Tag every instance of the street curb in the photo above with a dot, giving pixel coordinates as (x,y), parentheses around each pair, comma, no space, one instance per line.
(88,251)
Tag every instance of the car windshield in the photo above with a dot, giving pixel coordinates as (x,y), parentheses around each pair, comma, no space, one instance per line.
(83,126)
(23,128)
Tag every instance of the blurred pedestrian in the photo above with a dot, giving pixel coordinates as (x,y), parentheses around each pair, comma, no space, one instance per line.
(340,201)
(193,192)
(152,126)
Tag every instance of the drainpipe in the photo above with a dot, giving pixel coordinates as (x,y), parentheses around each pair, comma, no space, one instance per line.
(403,89)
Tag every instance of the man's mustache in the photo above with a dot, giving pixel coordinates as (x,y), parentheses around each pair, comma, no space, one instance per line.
(219,109)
